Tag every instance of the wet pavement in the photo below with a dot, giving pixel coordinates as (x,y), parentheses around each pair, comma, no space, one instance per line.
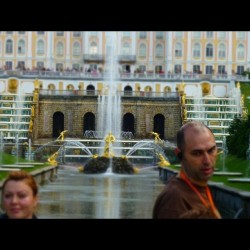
(75,195)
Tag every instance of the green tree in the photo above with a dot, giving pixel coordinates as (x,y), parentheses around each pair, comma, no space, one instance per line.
(238,139)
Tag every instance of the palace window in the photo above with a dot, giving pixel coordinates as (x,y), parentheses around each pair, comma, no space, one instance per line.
(76,49)
(159,50)
(197,50)
(178,50)
(209,50)
(40,47)
(60,49)
(9,47)
(142,50)
(21,47)
(240,51)
(222,51)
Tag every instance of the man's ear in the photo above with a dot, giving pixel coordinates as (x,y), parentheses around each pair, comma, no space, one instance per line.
(178,153)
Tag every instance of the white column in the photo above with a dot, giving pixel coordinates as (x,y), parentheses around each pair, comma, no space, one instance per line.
(189,51)
(229,49)
(248,49)
(50,51)
(133,45)
(29,50)
(133,50)
(151,50)
(68,46)
(100,46)
(169,47)
(119,43)
(86,44)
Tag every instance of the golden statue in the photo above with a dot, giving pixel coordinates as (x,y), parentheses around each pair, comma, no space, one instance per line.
(184,114)
(183,99)
(242,101)
(52,159)
(33,110)
(31,125)
(35,97)
(108,139)
(157,137)
(36,84)
(81,169)
(136,170)
(163,162)
(61,136)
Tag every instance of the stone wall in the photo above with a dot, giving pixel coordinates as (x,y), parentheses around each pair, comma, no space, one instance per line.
(75,107)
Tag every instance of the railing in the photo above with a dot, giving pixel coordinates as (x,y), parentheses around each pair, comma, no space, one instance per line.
(126,58)
(124,75)
(128,94)
(93,57)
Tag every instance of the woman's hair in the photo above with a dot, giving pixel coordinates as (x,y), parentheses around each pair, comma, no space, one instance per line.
(22,176)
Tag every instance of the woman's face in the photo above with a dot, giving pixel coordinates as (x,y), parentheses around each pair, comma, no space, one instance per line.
(18,200)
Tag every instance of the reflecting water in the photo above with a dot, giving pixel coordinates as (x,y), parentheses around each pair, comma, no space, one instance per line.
(104,196)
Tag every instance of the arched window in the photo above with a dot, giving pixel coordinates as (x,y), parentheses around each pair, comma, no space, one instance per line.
(93,48)
(70,87)
(128,90)
(159,124)
(60,49)
(9,47)
(159,50)
(240,51)
(76,49)
(40,47)
(178,50)
(90,90)
(126,49)
(222,51)
(209,50)
(197,50)
(21,47)
(51,86)
(142,50)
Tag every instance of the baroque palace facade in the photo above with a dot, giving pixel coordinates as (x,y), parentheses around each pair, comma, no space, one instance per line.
(50,81)
(151,52)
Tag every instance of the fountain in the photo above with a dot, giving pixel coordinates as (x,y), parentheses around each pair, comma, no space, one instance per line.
(109,122)
(109,153)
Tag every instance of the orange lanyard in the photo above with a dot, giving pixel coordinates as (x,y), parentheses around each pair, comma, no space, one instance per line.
(208,193)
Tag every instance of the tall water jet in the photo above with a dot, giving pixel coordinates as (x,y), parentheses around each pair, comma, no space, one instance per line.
(109,103)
